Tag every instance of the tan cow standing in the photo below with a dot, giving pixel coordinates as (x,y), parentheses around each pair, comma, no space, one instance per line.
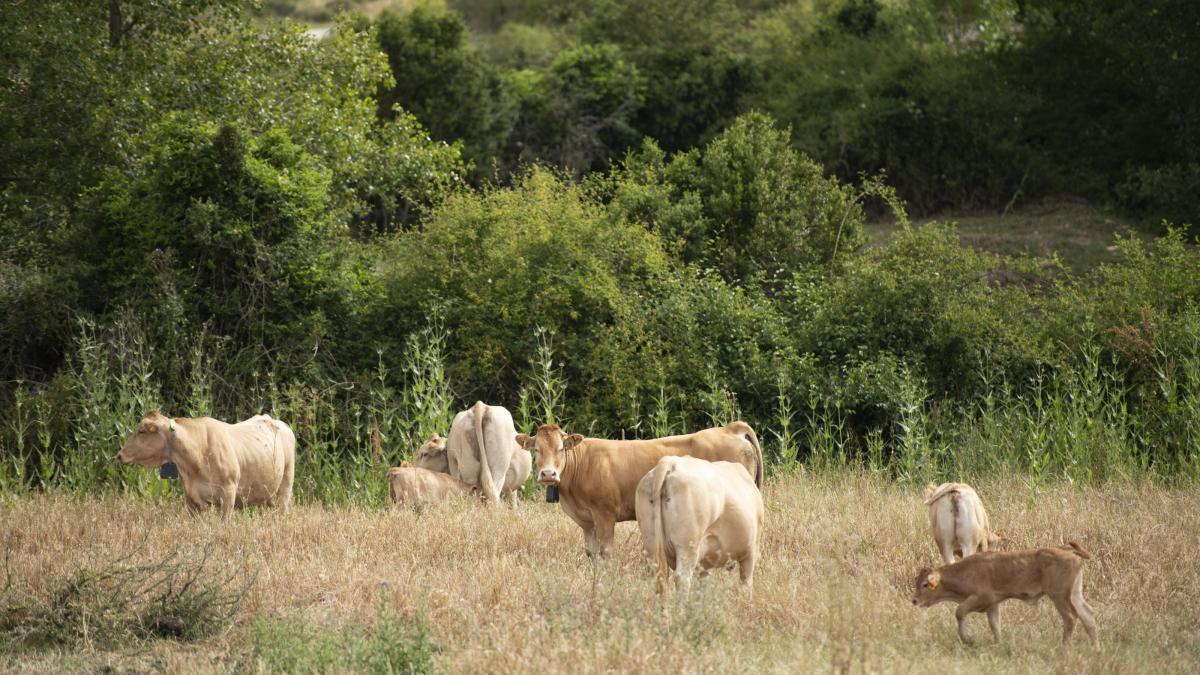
(480,449)
(224,465)
(694,513)
(958,521)
(413,486)
(598,478)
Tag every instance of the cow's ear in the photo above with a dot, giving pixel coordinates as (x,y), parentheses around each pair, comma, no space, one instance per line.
(934,578)
(572,441)
(526,442)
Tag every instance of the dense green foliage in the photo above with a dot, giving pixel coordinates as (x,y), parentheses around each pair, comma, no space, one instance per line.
(632,218)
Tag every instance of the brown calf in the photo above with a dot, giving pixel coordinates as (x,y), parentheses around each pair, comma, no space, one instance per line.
(979,583)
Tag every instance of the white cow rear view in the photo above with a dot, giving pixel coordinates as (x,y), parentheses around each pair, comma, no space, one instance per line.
(480,448)
(959,522)
(692,512)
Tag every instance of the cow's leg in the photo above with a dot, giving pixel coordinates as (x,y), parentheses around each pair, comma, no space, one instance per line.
(967,540)
(972,604)
(993,614)
(589,540)
(1082,609)
(1063,605)
(605,528)
(947,546)
(283,496)
(228,500)
(746,568)
(687,557)
(193,507)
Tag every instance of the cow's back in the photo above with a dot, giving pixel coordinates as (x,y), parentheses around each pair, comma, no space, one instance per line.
(612,470)
(711,507)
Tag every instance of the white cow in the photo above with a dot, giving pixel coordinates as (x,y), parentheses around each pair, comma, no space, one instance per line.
(692,512)
(959,522)
(481,449)
(433,456)
(223,465)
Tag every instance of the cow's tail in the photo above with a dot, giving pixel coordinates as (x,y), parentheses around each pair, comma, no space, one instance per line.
(658,513)
(747,432)
(480,412)
(1079,550)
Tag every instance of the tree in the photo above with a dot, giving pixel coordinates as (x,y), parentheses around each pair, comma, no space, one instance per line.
(239,224)
(747,204)
(443,82)
(578,114)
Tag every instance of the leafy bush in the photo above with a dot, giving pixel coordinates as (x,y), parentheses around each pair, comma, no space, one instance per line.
(240,224)
(747,204)
(1168,193)
(577,113)
(497,265)
(439,78)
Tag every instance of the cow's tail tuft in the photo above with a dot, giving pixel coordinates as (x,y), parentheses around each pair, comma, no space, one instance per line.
(1080,550)
(661,471)
(480,412)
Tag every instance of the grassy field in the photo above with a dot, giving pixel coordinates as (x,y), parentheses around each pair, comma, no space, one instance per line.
(1080,234)
(463,588)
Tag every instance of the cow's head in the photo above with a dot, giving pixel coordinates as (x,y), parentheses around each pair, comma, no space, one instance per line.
(550,446)
(432,455)
(148,445)
(926,592)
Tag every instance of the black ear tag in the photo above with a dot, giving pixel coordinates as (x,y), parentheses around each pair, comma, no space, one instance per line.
(552,493)
(168,470)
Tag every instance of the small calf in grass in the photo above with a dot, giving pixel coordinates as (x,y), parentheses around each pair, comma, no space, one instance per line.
(979,583)
(414,486)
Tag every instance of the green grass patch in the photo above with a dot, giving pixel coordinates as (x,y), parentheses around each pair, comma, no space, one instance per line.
(391,645)
(1080,235)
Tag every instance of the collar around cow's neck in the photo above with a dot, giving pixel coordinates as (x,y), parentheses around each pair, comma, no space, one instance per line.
(170,441)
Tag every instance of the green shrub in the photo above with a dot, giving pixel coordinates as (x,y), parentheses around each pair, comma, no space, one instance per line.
(241,224)
(1165,194)
(439,78)
(576,114)
(747,204)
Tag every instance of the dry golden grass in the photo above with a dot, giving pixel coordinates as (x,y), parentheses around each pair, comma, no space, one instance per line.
(510,590)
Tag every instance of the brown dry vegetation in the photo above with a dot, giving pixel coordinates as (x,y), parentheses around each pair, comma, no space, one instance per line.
(510,590)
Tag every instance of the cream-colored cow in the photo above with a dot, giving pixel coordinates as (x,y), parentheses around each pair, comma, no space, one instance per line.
(224,465)
(433,455)
(694,513)
(958,520)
